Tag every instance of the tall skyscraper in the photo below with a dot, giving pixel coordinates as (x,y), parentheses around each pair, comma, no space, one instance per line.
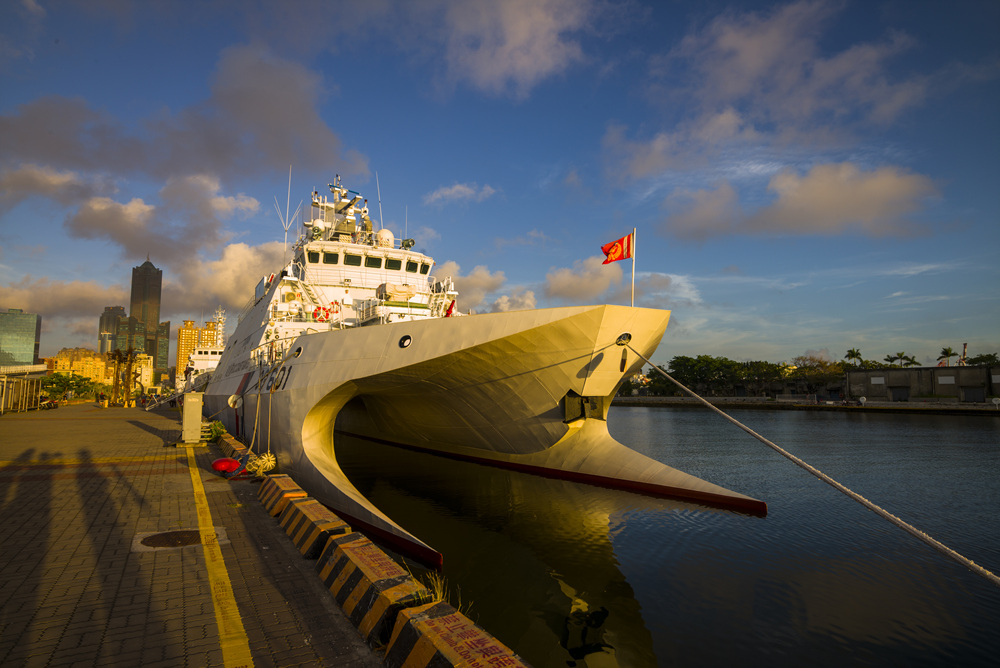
(108,327)
(142,330)
(144,305)
(20,336)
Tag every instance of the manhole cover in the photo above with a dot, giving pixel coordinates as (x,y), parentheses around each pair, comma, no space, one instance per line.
(177,539)
(172,539)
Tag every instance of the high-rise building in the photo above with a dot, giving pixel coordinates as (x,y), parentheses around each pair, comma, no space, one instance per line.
(129,334)
(190,337)
(107,328)
(144,305)
(187,341)
(142,330)
(20,336)
(161,361)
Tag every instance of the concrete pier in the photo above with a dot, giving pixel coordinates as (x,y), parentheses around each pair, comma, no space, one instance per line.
(111,555)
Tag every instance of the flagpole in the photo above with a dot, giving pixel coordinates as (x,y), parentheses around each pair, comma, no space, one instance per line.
(633,266)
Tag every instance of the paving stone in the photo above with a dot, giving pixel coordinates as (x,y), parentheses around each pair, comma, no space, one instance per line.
(73,590)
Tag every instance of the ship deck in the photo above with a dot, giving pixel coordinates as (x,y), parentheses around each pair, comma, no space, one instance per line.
(83,487)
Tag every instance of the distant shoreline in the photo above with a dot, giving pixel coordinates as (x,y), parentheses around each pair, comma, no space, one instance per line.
(918,408)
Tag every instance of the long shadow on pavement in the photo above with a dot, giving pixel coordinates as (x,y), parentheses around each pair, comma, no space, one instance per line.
(24,537)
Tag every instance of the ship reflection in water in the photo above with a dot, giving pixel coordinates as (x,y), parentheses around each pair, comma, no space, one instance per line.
(530,557)
(569,574)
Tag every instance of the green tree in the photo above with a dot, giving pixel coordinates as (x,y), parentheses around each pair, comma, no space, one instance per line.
(60,384)
(946,354)
(659,386)
(854,355)
(758,376)
(988,359)
(713,376)
(813,373)
(909,360)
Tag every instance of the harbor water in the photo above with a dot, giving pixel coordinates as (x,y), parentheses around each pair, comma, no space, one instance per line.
(568,574)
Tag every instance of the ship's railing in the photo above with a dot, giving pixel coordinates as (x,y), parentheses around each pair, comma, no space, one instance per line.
(317,316)
(246,309)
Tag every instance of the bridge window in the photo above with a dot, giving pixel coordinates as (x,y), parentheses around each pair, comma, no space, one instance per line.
(312,257)
(412,266)
(352,260)
(393,265)
(373,262)
(330,258)
(424,268)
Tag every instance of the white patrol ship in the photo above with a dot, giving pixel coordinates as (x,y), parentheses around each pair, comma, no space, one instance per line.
(357,335)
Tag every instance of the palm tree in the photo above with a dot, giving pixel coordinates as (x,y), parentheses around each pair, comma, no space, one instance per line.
(909,360)
(900,356)
(946,354)
(889,359)
(853,355)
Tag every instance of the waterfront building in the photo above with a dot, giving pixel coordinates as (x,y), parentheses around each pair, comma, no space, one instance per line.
(107,328)
(20,336)
(965,384)
(83,362)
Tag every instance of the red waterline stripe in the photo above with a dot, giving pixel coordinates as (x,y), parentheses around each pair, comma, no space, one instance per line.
(746,505)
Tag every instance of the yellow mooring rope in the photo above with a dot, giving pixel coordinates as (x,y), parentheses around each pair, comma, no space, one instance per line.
(917,533)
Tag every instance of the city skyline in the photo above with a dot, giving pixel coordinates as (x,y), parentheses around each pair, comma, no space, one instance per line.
(805,177)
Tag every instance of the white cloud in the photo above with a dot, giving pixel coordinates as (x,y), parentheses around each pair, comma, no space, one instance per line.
(586,281)
(772,65)
(460,192)
(55,299)
(912,269)
(199,194)
(130,225)
(245,127)
(63,186)
(473,287)
(828,199)
(769,81)
(509,47)
(228,279)
(532,238)
(701,214)
(831,199)
(519,300)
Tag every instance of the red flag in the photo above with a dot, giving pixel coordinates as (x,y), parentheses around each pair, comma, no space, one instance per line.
(618,250)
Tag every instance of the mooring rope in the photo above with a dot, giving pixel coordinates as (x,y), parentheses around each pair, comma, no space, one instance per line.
(909,528)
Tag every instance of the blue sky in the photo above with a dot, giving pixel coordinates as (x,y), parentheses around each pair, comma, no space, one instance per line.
(805,177)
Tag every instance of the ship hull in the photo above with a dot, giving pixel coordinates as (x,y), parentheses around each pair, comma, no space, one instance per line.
(528,390)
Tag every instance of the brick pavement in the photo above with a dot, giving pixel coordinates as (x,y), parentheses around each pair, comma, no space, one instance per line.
(79,487)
